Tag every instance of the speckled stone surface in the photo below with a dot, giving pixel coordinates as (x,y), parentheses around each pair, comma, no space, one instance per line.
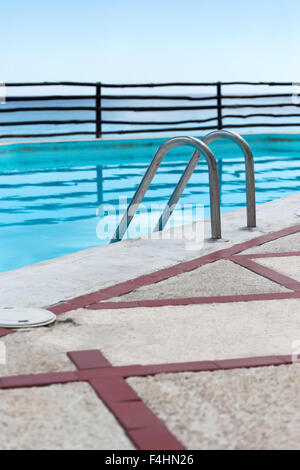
(58,417)
(288,243)
(32,351)
(256,408)
(290,265)
(218,278)
(186,333)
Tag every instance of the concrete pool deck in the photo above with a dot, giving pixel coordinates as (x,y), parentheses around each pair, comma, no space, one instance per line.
(177,350)
(69,276)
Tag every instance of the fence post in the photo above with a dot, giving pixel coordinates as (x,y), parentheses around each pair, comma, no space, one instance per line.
(98,111)
(219,104)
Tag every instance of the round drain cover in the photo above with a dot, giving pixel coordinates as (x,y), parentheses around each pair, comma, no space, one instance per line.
(17,317)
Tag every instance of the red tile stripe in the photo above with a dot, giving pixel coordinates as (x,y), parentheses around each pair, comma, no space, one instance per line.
(204,366)
(110,373)
(113,390)
(250,362)
(161,439)
(92,359)
(269,273)
(194,300)
(198,366)
(38,380)
(5,331)
(271,255)
(144,427)
(61,308)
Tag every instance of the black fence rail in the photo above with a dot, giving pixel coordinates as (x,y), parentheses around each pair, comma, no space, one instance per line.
(203,111)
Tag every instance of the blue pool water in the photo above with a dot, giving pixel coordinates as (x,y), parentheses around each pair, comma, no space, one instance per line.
(50,192)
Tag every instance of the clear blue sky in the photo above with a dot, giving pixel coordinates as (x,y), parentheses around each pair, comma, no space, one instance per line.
(149,40)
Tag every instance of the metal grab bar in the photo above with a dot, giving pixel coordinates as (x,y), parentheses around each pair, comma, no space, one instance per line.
(250,183)
(249,163)
(201,147)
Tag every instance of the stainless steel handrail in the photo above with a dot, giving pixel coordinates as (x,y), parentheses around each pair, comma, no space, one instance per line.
(201,147)
(250,182)
(249,164)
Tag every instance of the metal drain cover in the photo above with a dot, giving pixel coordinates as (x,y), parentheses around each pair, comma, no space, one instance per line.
(17,317)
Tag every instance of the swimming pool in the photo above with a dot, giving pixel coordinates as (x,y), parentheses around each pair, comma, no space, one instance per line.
(50,192)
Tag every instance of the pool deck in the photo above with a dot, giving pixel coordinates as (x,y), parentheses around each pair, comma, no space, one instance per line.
(160,344)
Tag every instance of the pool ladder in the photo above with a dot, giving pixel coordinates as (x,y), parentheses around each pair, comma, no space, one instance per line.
(201,147)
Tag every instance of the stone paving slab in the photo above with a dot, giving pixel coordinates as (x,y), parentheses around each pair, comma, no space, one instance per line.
(32,351)
(187,333)
(238,409)
(58,417)
(288,243)
(218,278)
(290,266)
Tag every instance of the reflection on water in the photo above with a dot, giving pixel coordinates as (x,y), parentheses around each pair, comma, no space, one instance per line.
(51,212)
